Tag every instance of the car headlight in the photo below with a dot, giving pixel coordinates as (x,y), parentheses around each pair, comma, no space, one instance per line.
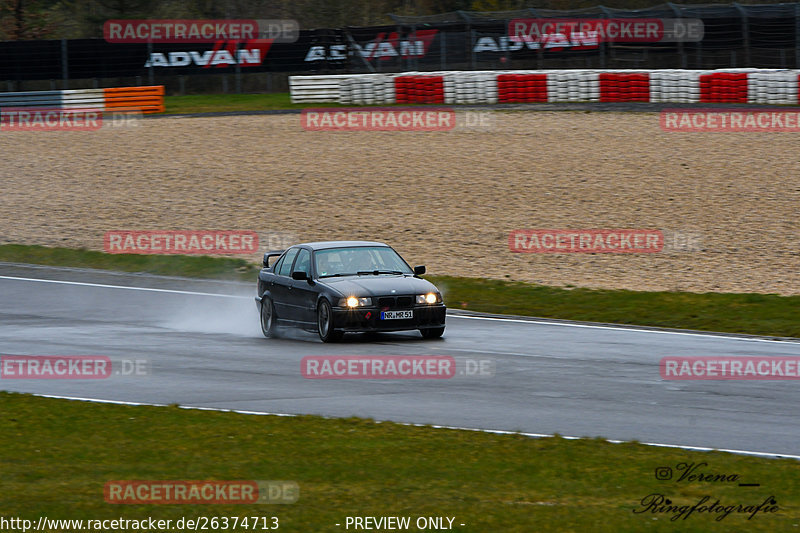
(430,298)
(353,301)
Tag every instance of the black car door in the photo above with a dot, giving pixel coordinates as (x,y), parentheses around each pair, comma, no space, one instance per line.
(303,293)
(282,285)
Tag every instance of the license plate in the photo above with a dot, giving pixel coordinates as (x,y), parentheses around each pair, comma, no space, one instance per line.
(393,315)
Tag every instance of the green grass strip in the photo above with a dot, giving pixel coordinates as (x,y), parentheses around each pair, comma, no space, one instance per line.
(756,314)
(206,103)
(192,266)
(209,103)
(57,455)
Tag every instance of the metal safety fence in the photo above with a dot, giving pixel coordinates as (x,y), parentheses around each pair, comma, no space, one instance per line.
(731,36)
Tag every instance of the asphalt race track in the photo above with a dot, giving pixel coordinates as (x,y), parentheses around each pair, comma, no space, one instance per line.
(204,348)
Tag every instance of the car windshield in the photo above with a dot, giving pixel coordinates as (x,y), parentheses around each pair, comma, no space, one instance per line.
(361,260)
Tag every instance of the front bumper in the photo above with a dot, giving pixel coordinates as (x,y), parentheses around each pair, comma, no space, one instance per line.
(369,319)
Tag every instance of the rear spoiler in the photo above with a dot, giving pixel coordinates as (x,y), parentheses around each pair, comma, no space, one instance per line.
(269,254)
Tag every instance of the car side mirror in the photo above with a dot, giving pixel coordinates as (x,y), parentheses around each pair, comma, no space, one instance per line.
(299,275)
(265,261)
(419,270)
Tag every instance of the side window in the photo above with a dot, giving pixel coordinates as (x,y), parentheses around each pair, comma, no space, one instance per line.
(276,267)
(303,263)
(288,259)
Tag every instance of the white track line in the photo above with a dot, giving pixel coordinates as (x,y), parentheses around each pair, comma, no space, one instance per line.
(148,289)
(494,431)
(617,328)
(514,320)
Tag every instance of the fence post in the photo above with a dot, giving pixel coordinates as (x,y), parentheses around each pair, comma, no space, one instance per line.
(442,50)
(505,59)
(540,55)
(238,70)
(150,74)
(745,34)
(797,35)
(540,50)
(471,44)
(699,59)
(411,40)
(604,46)
(64,65)
(401,59)
(681,48)
(682,52)
(468,37)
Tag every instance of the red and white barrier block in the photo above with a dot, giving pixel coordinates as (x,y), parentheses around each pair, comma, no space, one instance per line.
(755,86)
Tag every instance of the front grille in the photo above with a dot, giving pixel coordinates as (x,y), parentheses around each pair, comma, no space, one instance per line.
(401,302)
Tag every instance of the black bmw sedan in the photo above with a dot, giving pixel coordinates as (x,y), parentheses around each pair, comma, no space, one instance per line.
(346,286)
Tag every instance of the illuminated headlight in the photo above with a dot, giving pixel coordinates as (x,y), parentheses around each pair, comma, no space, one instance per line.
(430,298)
(352,301)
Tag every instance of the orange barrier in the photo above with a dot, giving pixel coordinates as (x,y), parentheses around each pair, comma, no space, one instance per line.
(144,99)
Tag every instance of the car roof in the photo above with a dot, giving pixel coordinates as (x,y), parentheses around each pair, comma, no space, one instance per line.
(323,245)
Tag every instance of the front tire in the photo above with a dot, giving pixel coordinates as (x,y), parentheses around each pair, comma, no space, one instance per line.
(325,323)
(267,318)
(432,333)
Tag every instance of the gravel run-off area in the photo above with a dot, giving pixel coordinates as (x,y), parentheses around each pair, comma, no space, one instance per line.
(728,203)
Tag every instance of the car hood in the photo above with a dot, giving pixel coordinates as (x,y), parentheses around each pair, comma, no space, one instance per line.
(371,285)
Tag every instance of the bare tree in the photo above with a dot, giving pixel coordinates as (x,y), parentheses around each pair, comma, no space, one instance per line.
(27,19)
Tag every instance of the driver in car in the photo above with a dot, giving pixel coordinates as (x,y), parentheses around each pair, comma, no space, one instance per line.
(360,261)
